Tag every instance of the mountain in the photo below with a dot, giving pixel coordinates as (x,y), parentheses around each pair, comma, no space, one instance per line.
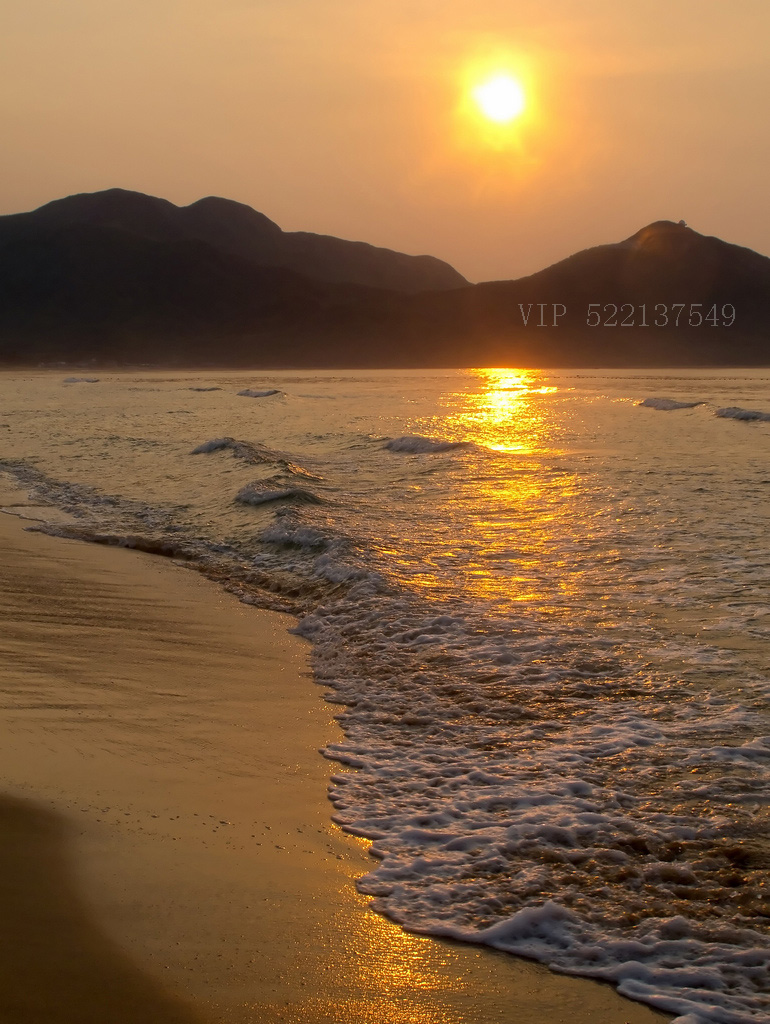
(665,296)
(118,277)
(237,230)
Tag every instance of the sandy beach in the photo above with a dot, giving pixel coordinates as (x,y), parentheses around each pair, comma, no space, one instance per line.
(168,852)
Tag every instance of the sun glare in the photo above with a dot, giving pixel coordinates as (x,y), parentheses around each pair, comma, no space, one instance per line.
(499,120)
(500,98)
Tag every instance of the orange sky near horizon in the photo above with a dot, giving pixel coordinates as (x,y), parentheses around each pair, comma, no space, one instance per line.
(352,117)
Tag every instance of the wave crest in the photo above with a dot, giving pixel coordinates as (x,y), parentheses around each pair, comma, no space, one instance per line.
(416,444)
(261,492)
(736,413)
(667,404)
(253,453)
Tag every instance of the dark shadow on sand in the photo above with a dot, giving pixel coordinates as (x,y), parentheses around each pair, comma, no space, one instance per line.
(56,966)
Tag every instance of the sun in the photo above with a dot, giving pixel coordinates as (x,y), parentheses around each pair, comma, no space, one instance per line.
(500,98)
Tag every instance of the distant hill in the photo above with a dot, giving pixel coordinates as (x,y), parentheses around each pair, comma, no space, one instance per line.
(665,296)
(237,230)
(118,277)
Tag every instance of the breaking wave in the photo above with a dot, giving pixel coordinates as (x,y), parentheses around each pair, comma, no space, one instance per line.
(736,413)
(247,450)
(416,444)
(667,404)
(262,492)
(254,454)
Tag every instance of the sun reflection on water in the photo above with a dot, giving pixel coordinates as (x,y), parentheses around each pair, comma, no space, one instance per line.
(504,414)
(501,507)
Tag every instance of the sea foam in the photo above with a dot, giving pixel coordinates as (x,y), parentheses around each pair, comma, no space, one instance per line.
(506,809)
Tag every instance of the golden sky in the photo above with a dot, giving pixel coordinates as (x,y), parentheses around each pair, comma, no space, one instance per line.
(352,117)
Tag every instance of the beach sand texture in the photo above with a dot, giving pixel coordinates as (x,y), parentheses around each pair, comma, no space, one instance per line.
(167,852)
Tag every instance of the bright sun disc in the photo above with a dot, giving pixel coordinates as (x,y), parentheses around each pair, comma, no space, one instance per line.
(500,98)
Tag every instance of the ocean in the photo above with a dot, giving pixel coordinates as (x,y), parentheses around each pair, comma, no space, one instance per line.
(541,602)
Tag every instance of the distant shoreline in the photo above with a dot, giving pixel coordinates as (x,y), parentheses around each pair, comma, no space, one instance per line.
(89,367)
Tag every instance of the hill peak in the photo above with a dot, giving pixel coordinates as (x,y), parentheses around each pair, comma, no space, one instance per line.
(214,209)
(100,207)
(664,233)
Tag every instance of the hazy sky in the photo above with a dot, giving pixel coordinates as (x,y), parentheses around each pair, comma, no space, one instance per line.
(351,117)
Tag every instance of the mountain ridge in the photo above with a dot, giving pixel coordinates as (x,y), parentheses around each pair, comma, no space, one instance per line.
(240,230)
(118,277)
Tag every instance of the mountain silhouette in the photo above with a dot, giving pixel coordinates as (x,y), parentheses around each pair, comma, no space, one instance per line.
(119,278)
(238,230)
(664,296)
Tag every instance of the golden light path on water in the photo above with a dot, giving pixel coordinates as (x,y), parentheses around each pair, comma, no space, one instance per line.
(511,503)
(503,415)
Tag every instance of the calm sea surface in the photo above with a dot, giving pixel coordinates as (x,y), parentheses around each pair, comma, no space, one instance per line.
(542,602)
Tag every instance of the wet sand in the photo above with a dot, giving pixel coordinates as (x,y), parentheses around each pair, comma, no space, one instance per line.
(167,852)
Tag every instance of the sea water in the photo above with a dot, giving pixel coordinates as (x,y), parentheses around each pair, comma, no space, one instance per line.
(541,602)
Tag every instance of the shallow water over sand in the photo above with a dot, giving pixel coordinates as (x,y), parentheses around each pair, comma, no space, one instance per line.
(542,605)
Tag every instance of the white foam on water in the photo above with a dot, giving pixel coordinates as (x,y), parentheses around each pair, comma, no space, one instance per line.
(536,807)
(290,535)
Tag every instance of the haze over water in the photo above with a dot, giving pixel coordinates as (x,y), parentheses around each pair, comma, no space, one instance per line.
(543,610)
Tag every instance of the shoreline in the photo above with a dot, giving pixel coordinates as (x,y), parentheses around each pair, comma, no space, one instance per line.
(161,770)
